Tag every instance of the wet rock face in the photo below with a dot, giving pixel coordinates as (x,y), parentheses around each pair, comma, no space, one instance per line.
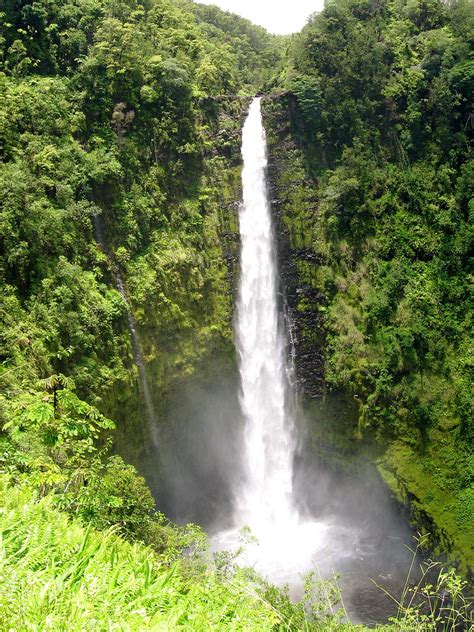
(294,203)
(173,355)
(224,117)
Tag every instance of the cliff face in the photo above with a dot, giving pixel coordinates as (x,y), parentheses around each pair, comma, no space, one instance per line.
(120,176)
(329,281)
(181,292)
(295,206)
(185,327)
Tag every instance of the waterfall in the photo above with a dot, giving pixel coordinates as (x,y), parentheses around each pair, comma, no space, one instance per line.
(265,495)
(287,542)
(137,352)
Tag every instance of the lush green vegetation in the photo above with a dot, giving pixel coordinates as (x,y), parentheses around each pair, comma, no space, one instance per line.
(379,212)
(102,115)
(58,575)
(119,141)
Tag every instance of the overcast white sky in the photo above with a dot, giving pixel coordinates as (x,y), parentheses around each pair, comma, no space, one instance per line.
(277,16)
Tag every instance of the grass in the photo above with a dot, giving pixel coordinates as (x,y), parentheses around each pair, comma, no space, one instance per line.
(60,575)
(434,599)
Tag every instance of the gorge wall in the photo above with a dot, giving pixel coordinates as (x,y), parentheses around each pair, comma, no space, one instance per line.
(326,288)
(184,308)
(119,172)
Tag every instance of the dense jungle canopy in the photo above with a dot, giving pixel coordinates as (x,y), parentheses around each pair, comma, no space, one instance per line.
(119,141)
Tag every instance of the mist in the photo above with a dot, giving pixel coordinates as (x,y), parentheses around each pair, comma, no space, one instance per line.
(199,449)
(193,471)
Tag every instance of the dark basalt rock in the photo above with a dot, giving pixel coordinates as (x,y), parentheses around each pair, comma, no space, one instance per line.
(305,321)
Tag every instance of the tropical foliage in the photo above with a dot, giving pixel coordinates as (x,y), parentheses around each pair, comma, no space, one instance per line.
(380,98)
(119,140)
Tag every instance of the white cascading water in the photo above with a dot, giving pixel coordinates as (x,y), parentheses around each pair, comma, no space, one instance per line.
(264,498)
(266,493)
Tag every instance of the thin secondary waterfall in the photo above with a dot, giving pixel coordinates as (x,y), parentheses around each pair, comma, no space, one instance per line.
(266,493)
(137,352)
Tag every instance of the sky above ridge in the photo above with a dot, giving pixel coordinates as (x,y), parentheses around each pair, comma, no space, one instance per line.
(277,16)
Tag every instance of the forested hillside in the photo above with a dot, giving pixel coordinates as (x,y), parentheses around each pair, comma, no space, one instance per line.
(119,158)
(372,168)
(101,116)
(120,124)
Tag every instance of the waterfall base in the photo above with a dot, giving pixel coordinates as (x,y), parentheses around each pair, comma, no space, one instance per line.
(364,560)
(283,553)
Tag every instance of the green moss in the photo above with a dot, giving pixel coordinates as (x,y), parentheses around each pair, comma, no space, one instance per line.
(181,288)
(436,497)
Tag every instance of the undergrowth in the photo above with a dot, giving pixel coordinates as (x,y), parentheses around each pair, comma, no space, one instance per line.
(58,574)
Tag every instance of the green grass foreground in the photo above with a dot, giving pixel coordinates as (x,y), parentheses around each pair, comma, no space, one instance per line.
(58,575)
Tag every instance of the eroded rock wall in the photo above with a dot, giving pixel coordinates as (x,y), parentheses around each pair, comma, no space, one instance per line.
(294,204)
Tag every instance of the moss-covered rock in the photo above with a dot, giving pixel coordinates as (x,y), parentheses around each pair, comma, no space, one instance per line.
(181,288)
(410,422)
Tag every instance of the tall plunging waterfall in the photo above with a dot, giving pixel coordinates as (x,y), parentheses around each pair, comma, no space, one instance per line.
(264,499)
(266,493)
